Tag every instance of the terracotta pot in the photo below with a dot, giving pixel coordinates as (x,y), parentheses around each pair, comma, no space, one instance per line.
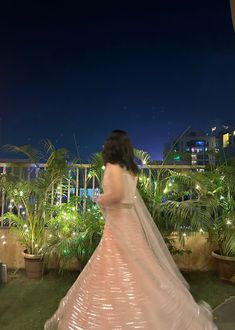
(33,265)
(225,266)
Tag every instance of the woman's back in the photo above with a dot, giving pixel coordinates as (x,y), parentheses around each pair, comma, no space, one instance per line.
(124,193)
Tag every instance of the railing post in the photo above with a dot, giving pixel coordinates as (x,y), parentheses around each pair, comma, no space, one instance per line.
(68,192)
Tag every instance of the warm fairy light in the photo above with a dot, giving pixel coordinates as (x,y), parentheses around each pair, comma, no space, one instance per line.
(103,167)
(21,193)
(201,230)
(4,242)
(50,235)
(197,186)
(25,226)
(36,245)
(184,234)
(3,236)
(228,222)
(89,210)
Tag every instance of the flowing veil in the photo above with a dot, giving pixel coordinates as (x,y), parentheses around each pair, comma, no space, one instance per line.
(156,241)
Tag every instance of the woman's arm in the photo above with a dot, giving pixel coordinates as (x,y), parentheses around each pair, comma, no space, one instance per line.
(113,186)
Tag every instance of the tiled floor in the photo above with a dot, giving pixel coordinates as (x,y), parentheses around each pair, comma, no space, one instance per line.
(225,314)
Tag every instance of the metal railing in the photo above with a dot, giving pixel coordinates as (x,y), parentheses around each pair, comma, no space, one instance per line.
(78,183)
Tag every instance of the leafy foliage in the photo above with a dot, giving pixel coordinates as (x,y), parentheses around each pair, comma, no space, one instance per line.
(29,199)
(74,233)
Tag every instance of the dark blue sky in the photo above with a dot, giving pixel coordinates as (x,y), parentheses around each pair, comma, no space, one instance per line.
(151,69)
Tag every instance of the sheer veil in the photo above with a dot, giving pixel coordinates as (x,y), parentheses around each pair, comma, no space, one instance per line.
(156,241)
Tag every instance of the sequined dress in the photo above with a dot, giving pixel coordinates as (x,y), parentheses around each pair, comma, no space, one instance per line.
(123,286)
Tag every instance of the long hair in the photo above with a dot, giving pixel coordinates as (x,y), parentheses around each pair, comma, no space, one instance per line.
(118,150)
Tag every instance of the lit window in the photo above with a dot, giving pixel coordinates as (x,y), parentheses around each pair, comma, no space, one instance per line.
(226,140)
(200,143)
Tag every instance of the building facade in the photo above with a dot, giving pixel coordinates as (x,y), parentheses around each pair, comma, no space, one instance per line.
(198,145)
(226,138)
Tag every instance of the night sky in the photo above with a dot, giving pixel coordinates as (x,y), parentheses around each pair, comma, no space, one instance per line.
(151,69)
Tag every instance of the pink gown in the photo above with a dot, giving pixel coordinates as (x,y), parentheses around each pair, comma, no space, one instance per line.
(123,286)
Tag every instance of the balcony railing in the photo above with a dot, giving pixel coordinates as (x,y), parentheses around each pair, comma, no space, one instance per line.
(78,183)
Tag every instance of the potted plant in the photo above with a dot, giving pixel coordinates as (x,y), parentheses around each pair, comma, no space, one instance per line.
(29,209)
(218,199)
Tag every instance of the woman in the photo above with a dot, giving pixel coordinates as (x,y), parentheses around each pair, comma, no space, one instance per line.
(131,281)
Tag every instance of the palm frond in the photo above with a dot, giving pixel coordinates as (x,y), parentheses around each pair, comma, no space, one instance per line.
(142,156)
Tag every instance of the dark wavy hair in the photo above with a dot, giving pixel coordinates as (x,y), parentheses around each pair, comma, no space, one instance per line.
(118,150)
